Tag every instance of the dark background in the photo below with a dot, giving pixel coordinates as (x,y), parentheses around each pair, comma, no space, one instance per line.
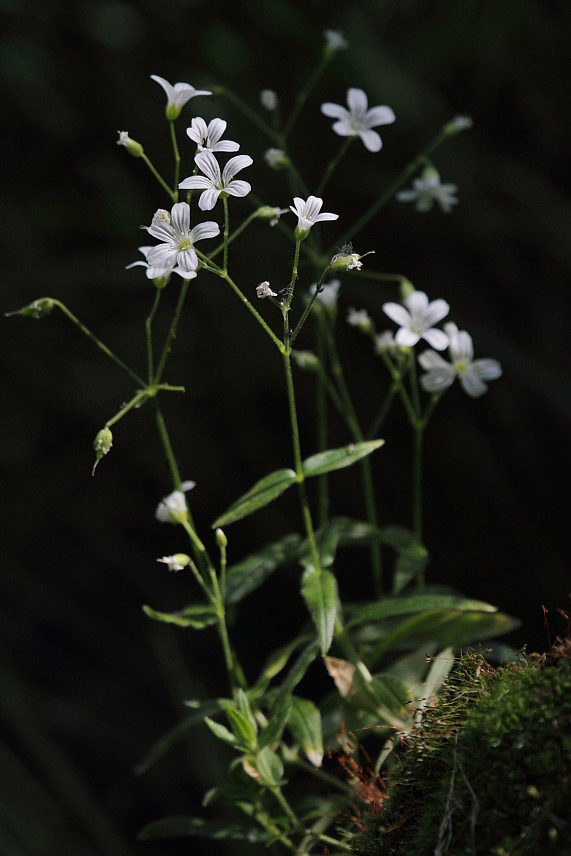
(87,681)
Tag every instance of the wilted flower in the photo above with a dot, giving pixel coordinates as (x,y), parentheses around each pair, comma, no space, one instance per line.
(440,373)
(213,182)
(177,95)
(268,99)
(133,147)
(172,508)
(428,189)
(273,214)
(176,562)
(264,290)
(178,238)
(358,121)
(208,137)
(418,319)
(307,213)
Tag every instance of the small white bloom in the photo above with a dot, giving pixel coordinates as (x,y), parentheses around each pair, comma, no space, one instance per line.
(360,318)
(276,158)
(159,273)
(177,95)
(172,508)
(385,342)
(213,182)
(428,189)
(178,239)
(208,137)
(358,121)
(307,213)
(418,319)
(268,99)
(264,290)
(458,124)
(176,562)
(440,373)
(328,293)
(335,41)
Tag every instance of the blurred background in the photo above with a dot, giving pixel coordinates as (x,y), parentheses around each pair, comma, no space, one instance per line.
(87,682)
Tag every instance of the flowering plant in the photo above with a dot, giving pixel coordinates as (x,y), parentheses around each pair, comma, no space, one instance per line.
(374,652)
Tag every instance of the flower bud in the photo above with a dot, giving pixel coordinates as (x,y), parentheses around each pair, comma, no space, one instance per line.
(276,158)
(361,319)
(102,444)
(221,539)
(457,125)
(269,99)
(306,360)
(406,289)
(335,42)
(38,309)
(133,147)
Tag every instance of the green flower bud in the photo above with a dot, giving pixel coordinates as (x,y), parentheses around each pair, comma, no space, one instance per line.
(133,147)
(38,309)
(102,444)
(406,288)
(221,539)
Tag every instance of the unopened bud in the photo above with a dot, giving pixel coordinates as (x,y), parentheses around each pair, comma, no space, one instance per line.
(276,158)
(221,539)
(38,309)
(133,147)
(307,360)
(457,125)
(102,444)
(406,288)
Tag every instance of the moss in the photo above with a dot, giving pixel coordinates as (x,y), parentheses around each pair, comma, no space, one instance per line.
(488,770)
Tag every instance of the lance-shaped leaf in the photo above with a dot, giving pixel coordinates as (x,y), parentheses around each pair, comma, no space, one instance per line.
(274,729)
(269,766)
(262,493)
(327,540)
(242,728)
(413,604)
(335,459)
(180,826)
(222,732)
(252,571)
(319,591)
(197,616)
(305,724)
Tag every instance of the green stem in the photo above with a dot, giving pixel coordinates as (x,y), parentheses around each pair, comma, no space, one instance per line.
(253,216)
(407,172)
(233,675)
(321,413)
(293,278)
(148,324)
(136,401)
(251,309)
(331,166)
(277,792)
(383,410)
(226,232)
(160,179)
(314,297)
(98,342)
(250,113)
(304,93)
(176,161)
(417,488)
(172,328)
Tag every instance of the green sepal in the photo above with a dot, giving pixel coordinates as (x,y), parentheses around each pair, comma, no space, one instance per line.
(319,590)
(262,493)
(335,459)
(197,616)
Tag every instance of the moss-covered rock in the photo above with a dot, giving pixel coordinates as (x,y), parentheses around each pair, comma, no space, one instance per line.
(488,770)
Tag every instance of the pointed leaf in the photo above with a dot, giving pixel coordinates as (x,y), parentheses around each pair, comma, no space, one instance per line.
(262,493)
(411,561)
(252,571)
(335,459)
(241,727)
(305,725)
(245,709)
(274,729)
(179,826)
(197,616)
(278,659)
(221,732)
(319,591)
(269,767)
(327,540)
(414,603)
(295,675)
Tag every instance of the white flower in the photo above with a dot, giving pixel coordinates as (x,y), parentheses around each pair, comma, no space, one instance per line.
(335,41)
(276,158)
(418,319)
(177,95)
(268,99)
(360,318)
(213,183)
(176,562)
(307,213)
(385,341)
(328,292)
(264,290)
(440,373)
(178,238)
(428,189)
(159,273)
(357,121)
(207,137)
(172,508)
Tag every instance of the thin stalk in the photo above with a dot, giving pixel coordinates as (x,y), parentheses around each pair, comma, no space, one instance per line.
(98,342)
(250,113)
(401,179)
(321,414)
(251,309)
(314,297)
(332,165)
(226,232)
(233,675)
(245,223)
(293,278)
(304,94)
(319,773)
(383,410)
(148,325)
(176,161)
(159,178)
(136,401)
(417,489)
(172,328)
(277,792)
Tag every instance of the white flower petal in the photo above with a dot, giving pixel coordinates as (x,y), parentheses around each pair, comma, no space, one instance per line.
(326,215)
(431,360)
(208,229)
(187,259)
(371,140)
(180,217)
(436,339)
(162,256)
(234,166)
(472,384)
(195,182)
(208,164)
(461,347)
(436,311)
(161,230)
(406,337)
(198,130)
(417,303)
(487,369)
(344,128)
(397,313)
(357,101)
(208,199)
(380,116)
(334,111)
(437,380)
(238,188)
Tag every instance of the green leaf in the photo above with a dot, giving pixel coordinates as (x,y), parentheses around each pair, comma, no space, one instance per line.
(262,493)
(319,591)
(274,729)
(245,709)
(295,675)
(221,732)
(252,571)
(269,766)
(180,826)
(335,459)
(411,561)
(355,532)
(305,724)
(473,627)
(242,728)
(414,603)
(197,616)
(278,659)
(327,540)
